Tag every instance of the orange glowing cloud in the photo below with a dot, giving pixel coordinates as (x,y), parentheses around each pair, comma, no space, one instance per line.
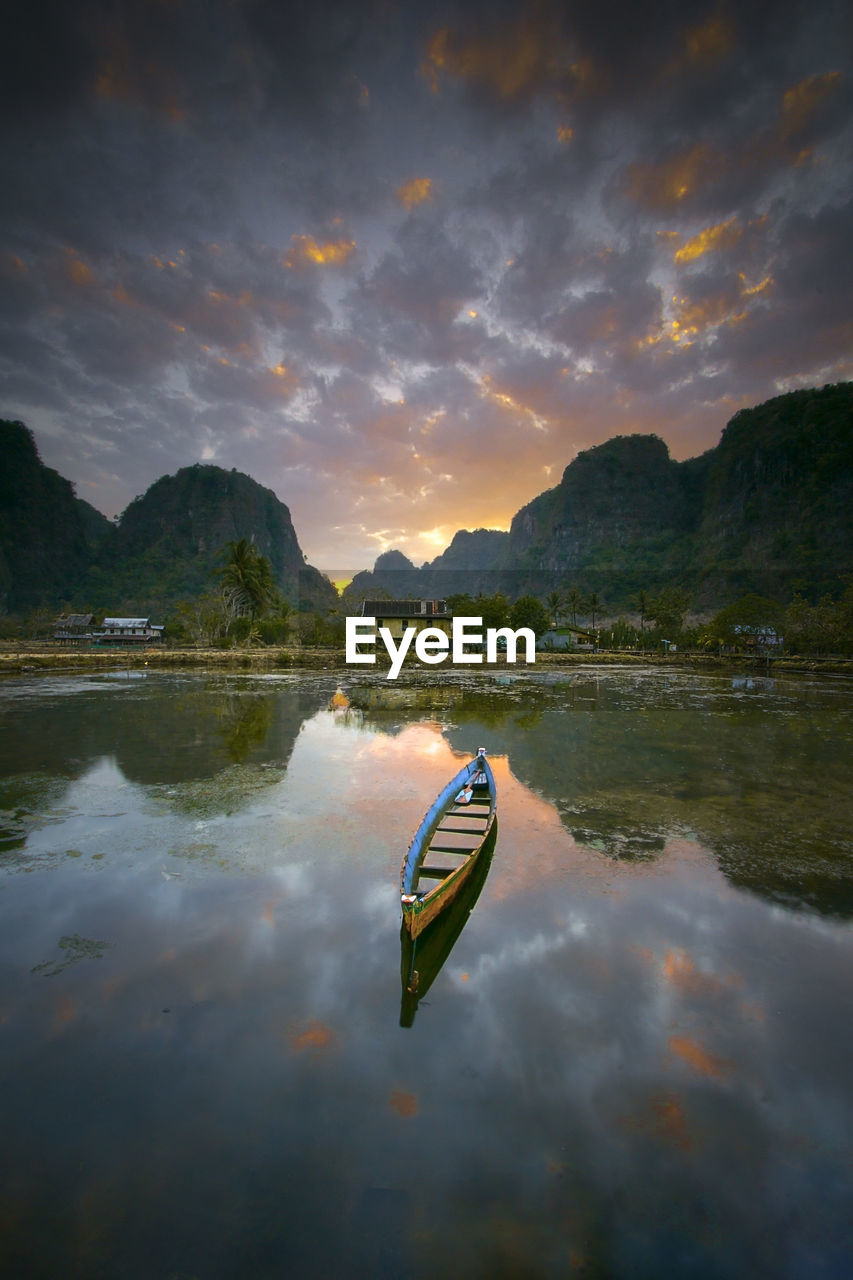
(12,265)
(730,305)
(515,60)
(667,184)
(120,79)
(306,251)
(709,42)
(282,380)
(414,192)
(725,235)
(801,102)
(78,271)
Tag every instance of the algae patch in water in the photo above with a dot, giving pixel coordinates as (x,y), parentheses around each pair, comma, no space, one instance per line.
(228,791)
(75,948)
(29,802)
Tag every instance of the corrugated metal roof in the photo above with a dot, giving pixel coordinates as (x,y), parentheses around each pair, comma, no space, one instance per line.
(404,608)
(74,620)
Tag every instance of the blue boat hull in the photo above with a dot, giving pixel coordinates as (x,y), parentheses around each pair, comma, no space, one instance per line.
(446,845)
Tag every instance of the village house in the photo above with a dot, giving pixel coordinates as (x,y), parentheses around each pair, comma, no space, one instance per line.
(74,628)
(397,615)
(756,637)
(127,631)
(567,638)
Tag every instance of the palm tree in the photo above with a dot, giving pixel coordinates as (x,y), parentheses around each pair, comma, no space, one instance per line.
(593,604)
(248,589)
(573,602)
(556,603)
(642,606)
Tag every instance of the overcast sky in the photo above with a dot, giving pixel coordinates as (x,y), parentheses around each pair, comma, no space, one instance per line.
(400,262)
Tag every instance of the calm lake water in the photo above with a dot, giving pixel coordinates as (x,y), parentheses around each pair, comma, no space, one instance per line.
(636,1060)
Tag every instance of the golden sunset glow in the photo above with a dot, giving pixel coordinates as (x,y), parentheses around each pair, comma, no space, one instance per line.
(506,401)
(510,58)
(78,271)
(386,249)
(306,251)
(405,1104)
(666,185)
(284,380)
(723,236)
(696,1056)
(710,41)
(801,102)
(749,291)
(415,192)
(311,1035)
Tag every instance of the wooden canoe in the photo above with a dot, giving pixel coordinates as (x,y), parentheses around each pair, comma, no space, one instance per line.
(422,958)
(446,845)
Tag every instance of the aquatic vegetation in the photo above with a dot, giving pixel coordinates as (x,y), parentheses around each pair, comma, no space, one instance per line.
(75,949)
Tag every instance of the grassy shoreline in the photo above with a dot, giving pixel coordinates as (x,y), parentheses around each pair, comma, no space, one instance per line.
(34,658)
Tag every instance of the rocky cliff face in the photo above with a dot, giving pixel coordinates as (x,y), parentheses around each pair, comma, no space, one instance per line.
(56,549)
(619,495)
(48,537)
(769,510)
(170,540)
(777,504)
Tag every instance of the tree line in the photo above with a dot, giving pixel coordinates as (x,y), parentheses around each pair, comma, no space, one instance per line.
(244,607)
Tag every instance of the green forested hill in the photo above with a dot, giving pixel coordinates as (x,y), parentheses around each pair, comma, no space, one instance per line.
(769,510)
(48,537)
(169,542)
(56,550)
(777,509)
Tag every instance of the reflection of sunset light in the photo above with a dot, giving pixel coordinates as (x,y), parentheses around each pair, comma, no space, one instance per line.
(313,1035)
(679,969)
(697,1057)
(663,1118)
(405,1104)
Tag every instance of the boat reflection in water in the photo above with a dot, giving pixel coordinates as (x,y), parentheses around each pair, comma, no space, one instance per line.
(422,957)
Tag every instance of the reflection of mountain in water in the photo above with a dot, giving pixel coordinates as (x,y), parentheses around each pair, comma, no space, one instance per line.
(159,731)
(422,959)
(756,774)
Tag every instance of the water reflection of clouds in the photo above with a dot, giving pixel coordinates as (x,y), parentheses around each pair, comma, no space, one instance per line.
(620,1062)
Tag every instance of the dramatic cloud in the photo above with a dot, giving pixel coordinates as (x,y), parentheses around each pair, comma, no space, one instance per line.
(401,263)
